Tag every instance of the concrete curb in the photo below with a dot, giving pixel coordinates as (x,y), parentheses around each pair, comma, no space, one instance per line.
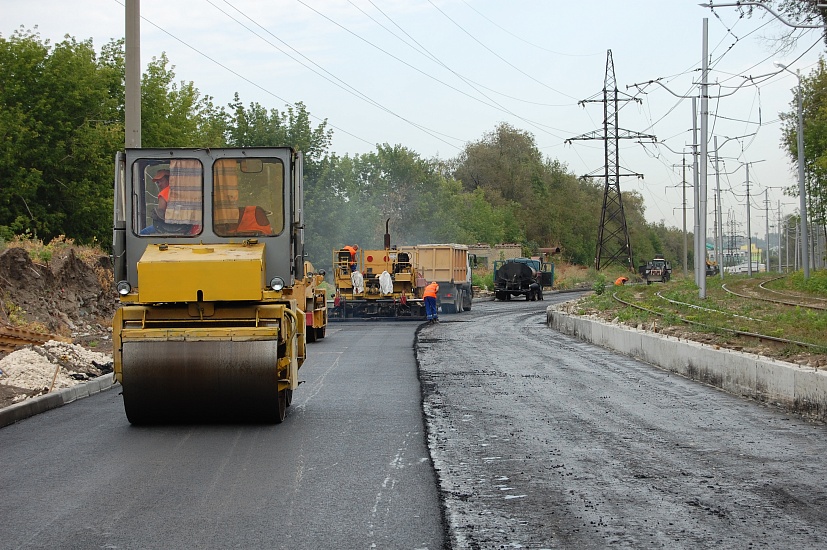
(42,403)
(799,389)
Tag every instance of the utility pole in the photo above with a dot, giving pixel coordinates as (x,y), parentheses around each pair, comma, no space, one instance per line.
(683,206)
(719,228)
(132,66)
(685,252)
(802,190)
(787,245)
(696,211)
(613,241)
(767,213)
(704,156)
(749,232)
(778,217)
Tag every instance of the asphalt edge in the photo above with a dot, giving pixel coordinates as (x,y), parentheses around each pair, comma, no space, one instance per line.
(802,390)
(42,403)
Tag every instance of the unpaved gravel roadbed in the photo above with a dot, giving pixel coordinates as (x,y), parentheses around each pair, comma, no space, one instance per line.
(543,441)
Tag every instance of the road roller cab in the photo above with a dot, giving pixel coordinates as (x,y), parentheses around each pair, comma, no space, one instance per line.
(209,263)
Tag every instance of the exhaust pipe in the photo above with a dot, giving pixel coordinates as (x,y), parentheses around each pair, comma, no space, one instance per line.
(387,234)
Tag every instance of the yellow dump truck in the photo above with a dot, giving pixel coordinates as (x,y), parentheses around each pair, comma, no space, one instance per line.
(216,299)
(450,266)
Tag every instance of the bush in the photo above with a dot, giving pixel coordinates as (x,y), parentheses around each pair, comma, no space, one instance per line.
(483,279)
(599,285)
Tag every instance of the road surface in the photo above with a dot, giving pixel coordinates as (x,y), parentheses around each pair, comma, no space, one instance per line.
(348,468)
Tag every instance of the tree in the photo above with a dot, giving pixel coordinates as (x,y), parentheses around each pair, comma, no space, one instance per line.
(176,114)
(60,125)
(804,12)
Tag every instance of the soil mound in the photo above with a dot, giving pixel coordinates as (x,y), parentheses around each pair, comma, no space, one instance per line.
(73,296)
(67,296)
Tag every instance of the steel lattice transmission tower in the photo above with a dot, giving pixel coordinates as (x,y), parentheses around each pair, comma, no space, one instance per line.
(613,236)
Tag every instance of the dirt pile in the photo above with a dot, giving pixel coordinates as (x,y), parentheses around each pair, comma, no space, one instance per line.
(71,295)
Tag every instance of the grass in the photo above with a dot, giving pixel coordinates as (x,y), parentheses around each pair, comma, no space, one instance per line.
(721,310)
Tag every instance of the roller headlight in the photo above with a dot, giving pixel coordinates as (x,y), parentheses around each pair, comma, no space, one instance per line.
(124,288)
(276,283)
(322,272)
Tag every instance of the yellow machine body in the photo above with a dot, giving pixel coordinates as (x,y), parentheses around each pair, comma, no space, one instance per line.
(404,301)
(219,272)
(212,323)
(312,295)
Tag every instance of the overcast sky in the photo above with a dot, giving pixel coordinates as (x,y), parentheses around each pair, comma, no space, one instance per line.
(433,75)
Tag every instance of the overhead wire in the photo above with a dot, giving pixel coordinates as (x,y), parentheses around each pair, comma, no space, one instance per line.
(333,79)
(242,77)
(419,48)
(498,56)
(492,103)
(521,39)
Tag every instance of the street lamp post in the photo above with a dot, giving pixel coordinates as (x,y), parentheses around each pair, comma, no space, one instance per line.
(805,253)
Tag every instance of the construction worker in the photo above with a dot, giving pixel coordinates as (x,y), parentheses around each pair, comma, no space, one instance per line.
(161,179)
(352,250)
(430,302)
(254,220)
(620,281)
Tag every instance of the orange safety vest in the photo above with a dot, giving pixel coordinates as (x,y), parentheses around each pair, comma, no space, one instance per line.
(249,222)
(431,290)
(351,250)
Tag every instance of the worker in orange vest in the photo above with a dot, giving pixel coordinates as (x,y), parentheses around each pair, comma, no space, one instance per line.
(620,281)
(254,220)
(430,302)
(352,250)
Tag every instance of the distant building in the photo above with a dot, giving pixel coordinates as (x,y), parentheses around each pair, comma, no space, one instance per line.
(487,254)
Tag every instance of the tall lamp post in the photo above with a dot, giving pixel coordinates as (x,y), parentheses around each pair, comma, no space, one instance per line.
(805,245)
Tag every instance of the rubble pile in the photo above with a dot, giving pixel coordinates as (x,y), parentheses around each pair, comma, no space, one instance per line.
(40,369)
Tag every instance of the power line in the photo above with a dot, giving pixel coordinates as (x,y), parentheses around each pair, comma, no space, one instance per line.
(337,82)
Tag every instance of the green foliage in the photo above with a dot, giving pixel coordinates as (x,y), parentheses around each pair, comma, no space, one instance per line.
(599,285)
(484,279)
(61,120)
(61,126)
(175,114)
(11,312)
(817,283)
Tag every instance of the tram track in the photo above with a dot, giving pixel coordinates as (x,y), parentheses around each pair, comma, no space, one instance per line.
(817,348)
(795,300)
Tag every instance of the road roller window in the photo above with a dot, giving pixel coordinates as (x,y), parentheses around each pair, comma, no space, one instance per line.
(168,197)
(248,197)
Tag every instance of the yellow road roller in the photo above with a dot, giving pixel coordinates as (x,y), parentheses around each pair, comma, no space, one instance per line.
(215,297)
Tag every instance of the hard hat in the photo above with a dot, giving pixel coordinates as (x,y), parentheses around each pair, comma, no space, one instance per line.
(160,174)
